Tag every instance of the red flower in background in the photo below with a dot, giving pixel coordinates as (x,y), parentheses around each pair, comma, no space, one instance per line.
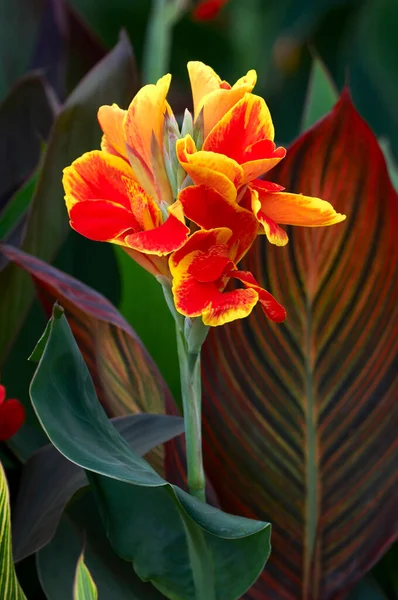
(208,9)
(12,415)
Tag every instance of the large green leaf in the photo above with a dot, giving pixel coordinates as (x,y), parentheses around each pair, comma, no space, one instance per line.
(56,562)
(49,481)
(9,586)
(305,413)
(84,587)
(125,376)
(75,131)
(186,548)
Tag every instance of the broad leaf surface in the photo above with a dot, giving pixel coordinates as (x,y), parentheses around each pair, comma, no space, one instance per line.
(75,131)
(124,374)
(166,526)
(322,95)
(300,418)
(114,577)
(49,480)
(9,586)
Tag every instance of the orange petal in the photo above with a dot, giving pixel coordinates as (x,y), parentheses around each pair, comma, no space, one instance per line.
(144,123)
(295,209)
(245,124)
(275,234)
(111,121)
(97,175)
(162,240)
(260,158)
(101,220)
(203,81)
(209,209)
(272,309)
(208,168)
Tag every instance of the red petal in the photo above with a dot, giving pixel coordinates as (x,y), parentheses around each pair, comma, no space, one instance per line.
(2,394)
(12,417)
(210,266)
(248,122)
(101,220)
(267,186)
(97,175)
(209,209)
(161,240)
(270,306)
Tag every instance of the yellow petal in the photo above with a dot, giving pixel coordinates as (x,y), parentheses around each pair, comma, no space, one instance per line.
(296,209)
(111,121)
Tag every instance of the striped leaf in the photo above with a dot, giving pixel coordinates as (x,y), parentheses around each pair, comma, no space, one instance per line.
(84,587)
(300,419)
(126,378)
(9,586)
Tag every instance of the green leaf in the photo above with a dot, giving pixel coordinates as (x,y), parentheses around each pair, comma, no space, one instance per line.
(75,131)
(114,577)
(367,589)
(165,533)
(49,481)
(84,587)
(390,160)
(17,206)
(304,413)
(9,586)
(322,95)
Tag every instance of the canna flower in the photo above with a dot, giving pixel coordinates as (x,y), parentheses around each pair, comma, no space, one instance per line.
(202,268)
(238,150)
(208,9)
(12,415)
(121,193)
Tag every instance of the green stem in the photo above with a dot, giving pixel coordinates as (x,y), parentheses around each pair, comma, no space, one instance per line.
(158,38)
(191,390)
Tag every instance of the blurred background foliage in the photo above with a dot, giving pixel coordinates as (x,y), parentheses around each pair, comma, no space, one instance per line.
(59,41)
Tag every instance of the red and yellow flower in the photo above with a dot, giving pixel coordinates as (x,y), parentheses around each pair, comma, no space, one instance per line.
(132,192)
(202,268)
(240,148)
(121,193)
(12,415)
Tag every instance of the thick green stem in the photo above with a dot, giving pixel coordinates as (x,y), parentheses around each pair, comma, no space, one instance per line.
(191,390)
(157,48)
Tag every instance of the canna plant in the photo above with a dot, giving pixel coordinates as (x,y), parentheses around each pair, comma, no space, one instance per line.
(194,205)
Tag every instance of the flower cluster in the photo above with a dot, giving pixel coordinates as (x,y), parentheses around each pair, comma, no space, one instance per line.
(12,415)
(187,203)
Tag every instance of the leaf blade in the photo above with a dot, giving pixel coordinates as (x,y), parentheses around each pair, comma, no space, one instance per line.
(84,587)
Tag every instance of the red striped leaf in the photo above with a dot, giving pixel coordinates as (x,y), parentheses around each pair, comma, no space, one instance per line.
(126,378)
(300,419)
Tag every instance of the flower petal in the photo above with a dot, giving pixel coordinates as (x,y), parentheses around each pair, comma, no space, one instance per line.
(229,306)
(102,220)
(111,121)
(275,234)
(295,209)
(208,168)
(203,81)
(210,266)
(97,175)
(12,417)
(143,122)
(209,209)
(191,296)
(266,186)
(170,236)
(2,394)
(246,123)
(261,158)
(272,309)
